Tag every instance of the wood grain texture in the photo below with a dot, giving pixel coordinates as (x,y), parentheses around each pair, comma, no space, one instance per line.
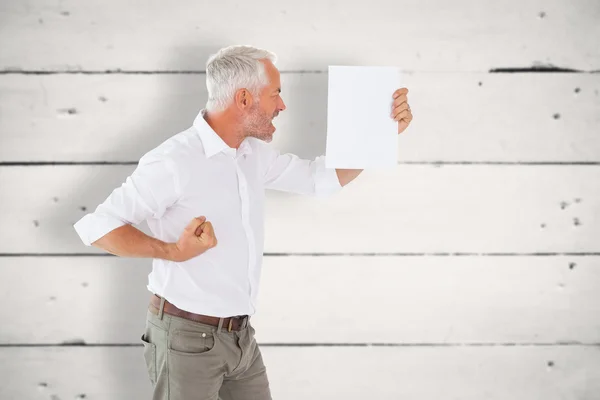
(448,36)
(410,209)
(106,81)
(397,300)
(425,373)
(458,117)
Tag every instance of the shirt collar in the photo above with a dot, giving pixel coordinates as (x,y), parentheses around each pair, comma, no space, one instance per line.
(213,144)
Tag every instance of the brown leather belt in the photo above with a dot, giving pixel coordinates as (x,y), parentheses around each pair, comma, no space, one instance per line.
(231,323)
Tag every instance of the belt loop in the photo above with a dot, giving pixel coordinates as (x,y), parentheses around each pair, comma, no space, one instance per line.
(221,320)
(230,324)
(161,307)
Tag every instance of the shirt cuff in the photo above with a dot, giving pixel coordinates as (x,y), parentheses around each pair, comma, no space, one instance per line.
(93,226)
(326,179)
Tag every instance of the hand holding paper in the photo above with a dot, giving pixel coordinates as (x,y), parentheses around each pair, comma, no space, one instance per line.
(365,113)
(401,109)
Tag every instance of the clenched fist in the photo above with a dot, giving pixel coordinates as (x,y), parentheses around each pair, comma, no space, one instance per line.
(196,238)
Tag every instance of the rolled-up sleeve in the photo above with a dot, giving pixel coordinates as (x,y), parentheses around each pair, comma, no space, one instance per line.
(148,192)
(289,173)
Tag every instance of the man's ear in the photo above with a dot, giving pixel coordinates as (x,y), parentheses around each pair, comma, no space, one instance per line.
(243,99)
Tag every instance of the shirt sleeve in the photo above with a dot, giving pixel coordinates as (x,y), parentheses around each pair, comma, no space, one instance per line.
(289,173)
(147,192)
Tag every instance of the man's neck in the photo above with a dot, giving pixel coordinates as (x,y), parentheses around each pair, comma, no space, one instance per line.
(226,126)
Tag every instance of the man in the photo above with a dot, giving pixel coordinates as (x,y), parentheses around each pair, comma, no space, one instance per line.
(202,193)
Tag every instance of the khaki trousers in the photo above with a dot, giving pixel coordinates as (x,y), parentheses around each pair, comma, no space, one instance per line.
(188,360)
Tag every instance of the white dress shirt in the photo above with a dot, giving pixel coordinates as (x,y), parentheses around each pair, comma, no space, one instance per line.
(196,173)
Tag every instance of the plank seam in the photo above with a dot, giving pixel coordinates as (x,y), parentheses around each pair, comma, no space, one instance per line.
(132,72)
(501,70)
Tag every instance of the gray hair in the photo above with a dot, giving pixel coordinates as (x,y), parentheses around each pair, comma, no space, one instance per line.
(233,68)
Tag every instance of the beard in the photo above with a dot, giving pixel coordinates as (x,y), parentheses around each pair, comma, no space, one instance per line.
(257,124)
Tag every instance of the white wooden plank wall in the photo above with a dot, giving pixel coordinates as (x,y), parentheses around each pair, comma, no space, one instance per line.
(471,271)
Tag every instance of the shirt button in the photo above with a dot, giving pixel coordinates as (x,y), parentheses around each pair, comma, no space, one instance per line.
(203,334)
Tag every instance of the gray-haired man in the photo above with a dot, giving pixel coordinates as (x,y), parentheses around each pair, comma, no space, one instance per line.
(201,184)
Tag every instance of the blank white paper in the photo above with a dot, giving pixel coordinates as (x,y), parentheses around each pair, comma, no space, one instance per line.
(360,130)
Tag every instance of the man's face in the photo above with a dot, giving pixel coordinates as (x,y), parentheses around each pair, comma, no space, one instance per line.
(258,120)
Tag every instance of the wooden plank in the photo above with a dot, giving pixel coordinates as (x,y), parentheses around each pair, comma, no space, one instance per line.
(415,300)
(441,36)
(410,209)
(456,119)
(467,373)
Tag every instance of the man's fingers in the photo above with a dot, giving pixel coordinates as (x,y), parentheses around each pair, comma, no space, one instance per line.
(398,108)
(196,224)
(400,92)
(197,221)
(207,230)
(399,100)
(208,235)
(402,114)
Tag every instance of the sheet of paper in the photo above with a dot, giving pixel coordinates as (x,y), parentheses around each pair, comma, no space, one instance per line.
(360,132)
